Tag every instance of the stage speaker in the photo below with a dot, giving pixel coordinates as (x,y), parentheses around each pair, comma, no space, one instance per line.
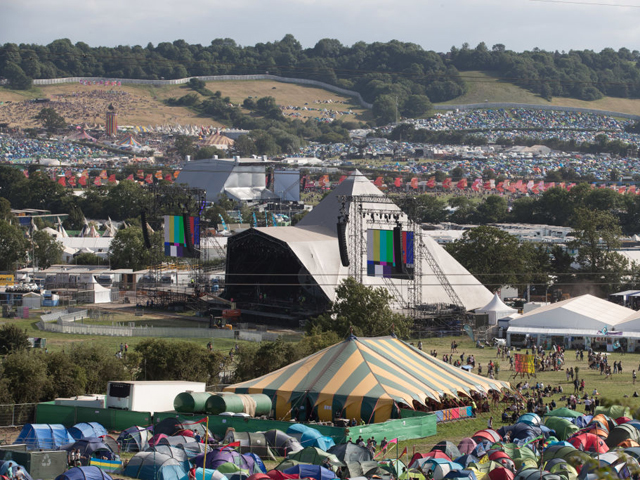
(397,247)
(342,243)
(187,234)
(145,230)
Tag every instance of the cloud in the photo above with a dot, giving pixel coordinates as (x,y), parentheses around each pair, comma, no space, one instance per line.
(433,24)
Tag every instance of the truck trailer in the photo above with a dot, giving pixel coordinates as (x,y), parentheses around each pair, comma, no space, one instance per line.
(148,396)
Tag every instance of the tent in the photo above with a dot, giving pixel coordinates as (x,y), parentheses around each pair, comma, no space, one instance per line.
(350,452)
(496,309)
(467,445)
(250,442)
(535,474)
(134,439)
(174,440)
(614,411)
(88,446)
(173,452)
(487,434)
(43,436)
(317,456)
(282,443)
(6,464)
(563,412)
(588,442)
(90,429)
(363,378)
(173,425)
(209,475)
(439,467)
(448,448)
(154,466)
(621,433)
(84,473)
(218,456)
(364,469)
(563,427)
(311,471)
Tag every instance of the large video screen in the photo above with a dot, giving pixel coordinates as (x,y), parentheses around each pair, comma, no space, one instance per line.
(381,254)
(175,243)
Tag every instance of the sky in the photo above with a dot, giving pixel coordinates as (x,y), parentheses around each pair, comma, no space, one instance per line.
(433,24)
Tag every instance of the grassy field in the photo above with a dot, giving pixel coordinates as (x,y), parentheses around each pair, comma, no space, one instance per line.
(144,104)
(482,87)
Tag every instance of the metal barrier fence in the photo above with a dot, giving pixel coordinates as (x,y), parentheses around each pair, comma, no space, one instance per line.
(169,332)
(70,315)
(12,415)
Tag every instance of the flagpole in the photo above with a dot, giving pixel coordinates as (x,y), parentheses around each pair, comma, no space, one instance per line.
(206,446)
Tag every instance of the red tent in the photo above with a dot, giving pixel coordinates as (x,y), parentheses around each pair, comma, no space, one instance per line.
(588,442)
(501,474)
(259,476)
(437,454)
(278,475)
(487,434)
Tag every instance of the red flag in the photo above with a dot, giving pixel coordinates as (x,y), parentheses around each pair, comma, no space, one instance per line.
(622,189)
(561,185)
(72,181)
(398,182)
(487,185)
(231,445)
(404,452)
(414,183)
(140,174)
(499,187)
(476,185)
(168,178)
(176,173)
(26,173)
(378,182)
(130,177)
(62,181)
(632,189)
(112,178)
(159,174)
(446,183)
(97,182)
(431,183)
(149,178)
(462,183)
(83,181)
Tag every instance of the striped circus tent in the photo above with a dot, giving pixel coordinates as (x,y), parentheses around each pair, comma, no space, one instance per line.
(219,141)
(364,378)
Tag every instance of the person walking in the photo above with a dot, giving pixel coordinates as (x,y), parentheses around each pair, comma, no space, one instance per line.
(634,377)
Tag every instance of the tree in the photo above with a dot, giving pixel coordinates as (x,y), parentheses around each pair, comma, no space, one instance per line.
(416,106)
(490,254)
(5,209)
(16,77)
(51,120)
(365,309)
(163,360)
(209,152)
(26,377)
(12,339)
(12,246)
(597,235)
(244,146)
(47,250)
(99,364)
(385,110)
(66,379)
(430,209)
(88,258)
(128,249)
(184,145)
(492,210)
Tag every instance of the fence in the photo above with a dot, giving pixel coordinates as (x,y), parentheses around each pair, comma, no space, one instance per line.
(17,414)
(212,78)
(168,332)
(474,106)
(69,315)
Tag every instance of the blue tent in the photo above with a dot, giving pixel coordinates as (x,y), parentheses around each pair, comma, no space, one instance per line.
(310,437)
(84,430)
(311,471)
(4,466)
(154,466)
(134,439)
(88,446)
(44,436)
(84,473)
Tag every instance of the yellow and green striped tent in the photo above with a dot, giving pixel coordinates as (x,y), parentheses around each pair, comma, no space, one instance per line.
(363,378)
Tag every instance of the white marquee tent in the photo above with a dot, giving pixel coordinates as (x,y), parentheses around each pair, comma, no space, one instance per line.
(496,309)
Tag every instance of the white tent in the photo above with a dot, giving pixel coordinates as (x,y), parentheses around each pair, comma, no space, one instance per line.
(101,294)
(32,300)
(496,309)
(585,312)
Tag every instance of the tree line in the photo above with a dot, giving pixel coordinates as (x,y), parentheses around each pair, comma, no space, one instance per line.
(30,376)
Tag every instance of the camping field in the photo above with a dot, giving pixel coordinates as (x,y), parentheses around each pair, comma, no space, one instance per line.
(144,104)
(483,87)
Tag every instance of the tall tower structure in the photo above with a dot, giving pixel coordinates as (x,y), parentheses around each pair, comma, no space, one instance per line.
(111,126)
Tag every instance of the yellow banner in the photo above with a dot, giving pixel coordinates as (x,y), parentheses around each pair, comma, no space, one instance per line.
(6,280)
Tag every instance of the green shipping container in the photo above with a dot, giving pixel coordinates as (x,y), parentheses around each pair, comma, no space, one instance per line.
(191,402)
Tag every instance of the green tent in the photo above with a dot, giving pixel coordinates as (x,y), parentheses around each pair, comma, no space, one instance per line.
(412,474)
(315,456)
(563,427)
(520,454)
(364,469)
(563,412)
(565,470)
(614,411)
(229,467)
(393,466)
(621,433)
